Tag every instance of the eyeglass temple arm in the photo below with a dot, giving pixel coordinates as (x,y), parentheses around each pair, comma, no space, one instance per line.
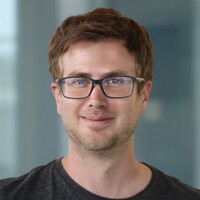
(140,79)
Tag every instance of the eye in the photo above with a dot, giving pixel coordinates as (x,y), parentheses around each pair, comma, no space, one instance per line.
(115,80)
(80,82)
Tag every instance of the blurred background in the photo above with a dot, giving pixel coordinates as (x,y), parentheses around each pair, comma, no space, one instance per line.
(168,135)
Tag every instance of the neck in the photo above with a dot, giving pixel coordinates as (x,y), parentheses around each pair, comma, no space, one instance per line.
(114,173)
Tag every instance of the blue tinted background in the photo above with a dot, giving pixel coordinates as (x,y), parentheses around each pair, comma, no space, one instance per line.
(168,135)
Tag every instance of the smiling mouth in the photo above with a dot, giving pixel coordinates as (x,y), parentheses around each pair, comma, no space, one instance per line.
(97,120)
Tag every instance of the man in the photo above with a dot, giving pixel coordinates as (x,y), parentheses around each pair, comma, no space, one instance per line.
(101,67)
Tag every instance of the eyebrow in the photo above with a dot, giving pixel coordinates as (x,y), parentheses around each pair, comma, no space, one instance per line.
(107,74)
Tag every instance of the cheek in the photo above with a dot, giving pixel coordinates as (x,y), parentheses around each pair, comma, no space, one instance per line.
(69,110)
(132,113)
(129,110)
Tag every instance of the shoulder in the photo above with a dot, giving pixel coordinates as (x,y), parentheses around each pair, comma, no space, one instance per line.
(172,187)
(34,181)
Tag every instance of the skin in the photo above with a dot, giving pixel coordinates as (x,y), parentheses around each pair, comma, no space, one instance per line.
(100,151)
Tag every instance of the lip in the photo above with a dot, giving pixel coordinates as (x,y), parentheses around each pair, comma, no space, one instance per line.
(97,120)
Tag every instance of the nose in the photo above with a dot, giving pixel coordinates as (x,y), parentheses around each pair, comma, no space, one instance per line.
(97,98)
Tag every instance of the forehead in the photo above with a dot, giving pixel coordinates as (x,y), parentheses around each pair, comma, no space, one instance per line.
(98,57)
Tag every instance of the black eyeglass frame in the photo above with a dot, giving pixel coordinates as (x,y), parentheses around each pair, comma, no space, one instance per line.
(59,81)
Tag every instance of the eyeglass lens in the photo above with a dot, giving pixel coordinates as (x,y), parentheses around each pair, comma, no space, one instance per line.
(81,87)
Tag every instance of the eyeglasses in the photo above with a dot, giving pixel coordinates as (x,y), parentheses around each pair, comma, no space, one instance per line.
(112,87)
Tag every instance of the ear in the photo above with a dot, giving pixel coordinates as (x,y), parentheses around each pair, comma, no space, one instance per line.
(57,95)
(145,93)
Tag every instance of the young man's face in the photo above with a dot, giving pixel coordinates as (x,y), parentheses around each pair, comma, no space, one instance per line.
(98,122)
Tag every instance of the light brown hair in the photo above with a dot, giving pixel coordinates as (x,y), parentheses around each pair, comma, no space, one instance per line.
(99,25)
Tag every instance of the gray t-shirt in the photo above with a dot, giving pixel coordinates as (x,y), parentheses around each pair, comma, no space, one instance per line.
(52,182)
